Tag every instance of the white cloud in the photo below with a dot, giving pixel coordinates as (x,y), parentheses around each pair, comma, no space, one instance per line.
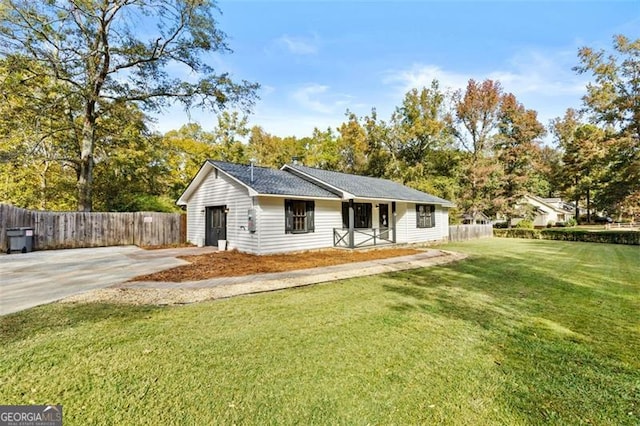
(266,90)
(298,45)
(310,106)
(318,99)
(527,72)
(421,75)
(542,81)
(534,72)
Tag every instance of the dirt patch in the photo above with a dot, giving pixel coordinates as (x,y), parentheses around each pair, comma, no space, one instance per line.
(233,263)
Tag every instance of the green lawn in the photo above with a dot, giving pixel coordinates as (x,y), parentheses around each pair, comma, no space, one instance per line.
(522,332)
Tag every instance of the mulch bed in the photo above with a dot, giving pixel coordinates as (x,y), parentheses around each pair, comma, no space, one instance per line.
(233,263)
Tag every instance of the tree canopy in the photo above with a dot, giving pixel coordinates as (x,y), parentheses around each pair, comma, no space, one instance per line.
(76,81)
(102,55)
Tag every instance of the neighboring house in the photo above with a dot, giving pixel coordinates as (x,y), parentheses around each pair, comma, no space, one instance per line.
(478,218)
(548,210)
(261,210)
(562,205)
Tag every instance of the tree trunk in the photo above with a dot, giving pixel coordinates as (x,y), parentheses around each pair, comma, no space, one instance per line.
(588,205)
(43,185)
(85,177)
(577,200)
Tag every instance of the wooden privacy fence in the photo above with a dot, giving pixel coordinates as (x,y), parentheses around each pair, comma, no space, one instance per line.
(57,230)
(469,232)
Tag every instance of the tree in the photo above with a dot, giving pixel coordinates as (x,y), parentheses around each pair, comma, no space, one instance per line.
(352,145)
(381,161)
(547,173)
(34,138)
(582,148)
(613,99)
(273,151)
(227,135)
(422,142)
(94,53)
(473,123)
(517,139)
(476,115)
(321,150)
(421,123)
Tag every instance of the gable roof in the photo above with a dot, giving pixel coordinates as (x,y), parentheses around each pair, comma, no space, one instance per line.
(300,181)
(365,186)
(548,203)
(269,181)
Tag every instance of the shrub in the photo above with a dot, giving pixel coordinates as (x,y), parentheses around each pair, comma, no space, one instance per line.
(525,224)
(500,225)
(572,234)
(550,224)
(583,235)
(571,222)
(531,234)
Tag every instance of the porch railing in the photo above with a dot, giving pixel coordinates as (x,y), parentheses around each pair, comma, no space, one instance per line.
(367,237)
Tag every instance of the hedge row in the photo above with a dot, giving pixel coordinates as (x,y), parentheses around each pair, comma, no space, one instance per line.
(572,234)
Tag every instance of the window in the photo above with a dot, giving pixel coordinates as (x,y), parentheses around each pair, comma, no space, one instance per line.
(298,216)
(425,216)
(362,215)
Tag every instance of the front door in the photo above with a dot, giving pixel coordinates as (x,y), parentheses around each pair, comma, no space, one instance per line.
(216,225)
(383,219)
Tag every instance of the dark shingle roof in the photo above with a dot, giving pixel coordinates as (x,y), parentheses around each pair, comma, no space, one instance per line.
(273,181)
(369,187)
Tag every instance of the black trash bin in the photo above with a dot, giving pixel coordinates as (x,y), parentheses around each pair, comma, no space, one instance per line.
(20,239)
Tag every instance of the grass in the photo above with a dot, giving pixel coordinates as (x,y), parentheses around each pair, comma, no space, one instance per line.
(523,332)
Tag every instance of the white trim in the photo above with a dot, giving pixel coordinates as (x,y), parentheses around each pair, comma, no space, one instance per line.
(201,176)
(301,197)
(194,184)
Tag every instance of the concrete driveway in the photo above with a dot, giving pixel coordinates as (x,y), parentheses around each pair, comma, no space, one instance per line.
(40,277)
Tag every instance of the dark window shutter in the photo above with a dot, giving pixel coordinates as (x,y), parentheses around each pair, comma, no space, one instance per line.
(369,215)
(311,206)
(417,215)
(345,215)
(288,216)
(433,216)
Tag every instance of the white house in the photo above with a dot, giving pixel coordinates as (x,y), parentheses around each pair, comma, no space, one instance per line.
(548,210)
(262,210)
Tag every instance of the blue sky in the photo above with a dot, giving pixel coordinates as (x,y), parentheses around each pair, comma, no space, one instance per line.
(316,59)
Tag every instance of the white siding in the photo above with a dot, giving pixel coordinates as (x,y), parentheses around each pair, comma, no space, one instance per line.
(542,218)
(270,220)
(273,239)
(221,191)
(408,232)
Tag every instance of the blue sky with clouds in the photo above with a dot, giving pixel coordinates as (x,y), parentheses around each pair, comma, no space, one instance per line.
(316,59)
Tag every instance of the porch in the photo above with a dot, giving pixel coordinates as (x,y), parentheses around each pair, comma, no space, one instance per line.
(357,238)
(358,219)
